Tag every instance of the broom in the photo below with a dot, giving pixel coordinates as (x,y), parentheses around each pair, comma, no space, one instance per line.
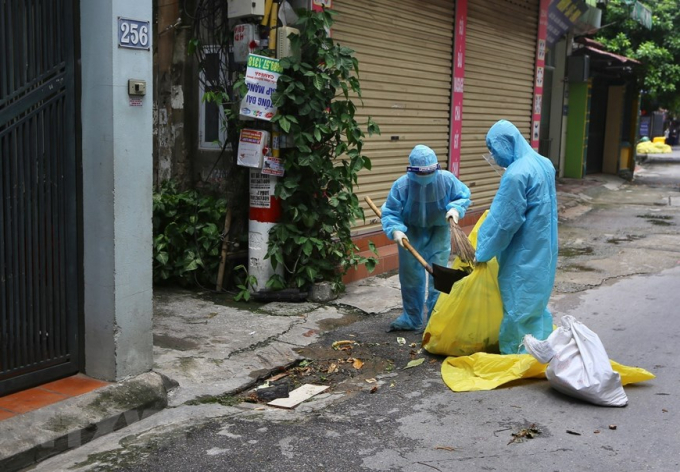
(460,244)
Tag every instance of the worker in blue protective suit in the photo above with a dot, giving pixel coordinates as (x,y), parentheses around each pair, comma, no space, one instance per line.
(521,231)
(417,209)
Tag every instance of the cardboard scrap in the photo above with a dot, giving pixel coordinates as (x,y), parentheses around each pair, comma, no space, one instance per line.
(297,396)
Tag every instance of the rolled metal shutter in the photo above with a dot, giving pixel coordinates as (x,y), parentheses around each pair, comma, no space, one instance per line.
(499,83)
(404,48)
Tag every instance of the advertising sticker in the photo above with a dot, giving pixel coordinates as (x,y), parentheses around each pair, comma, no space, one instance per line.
(261,77)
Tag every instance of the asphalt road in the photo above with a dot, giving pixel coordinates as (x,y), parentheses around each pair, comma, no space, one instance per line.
(619,273)
(415,423)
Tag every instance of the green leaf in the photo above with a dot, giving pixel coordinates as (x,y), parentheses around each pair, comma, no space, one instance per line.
(372,127)
(307,248)
(162,257)
(415,363)
(371,264)
(284,124)
(311,273)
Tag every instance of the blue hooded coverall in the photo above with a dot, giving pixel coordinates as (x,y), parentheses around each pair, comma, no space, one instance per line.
(417,205)
(521,231)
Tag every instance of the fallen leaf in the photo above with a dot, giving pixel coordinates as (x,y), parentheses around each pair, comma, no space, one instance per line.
(526,433)
(332,368)
(358,364)
(664,410)
(413,344)
(371,380)
(573,432)
(346,344)
(612,426)
(445,448)
(374,389)
(392,384)
(401,341)
(279,376)
(415,363)
(597,431)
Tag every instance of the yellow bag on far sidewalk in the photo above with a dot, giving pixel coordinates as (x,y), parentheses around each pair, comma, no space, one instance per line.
(468,319)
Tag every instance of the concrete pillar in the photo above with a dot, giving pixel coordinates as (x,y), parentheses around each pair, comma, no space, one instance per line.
(117,191)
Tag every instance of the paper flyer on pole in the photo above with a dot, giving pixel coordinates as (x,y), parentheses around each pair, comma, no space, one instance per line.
(261,77)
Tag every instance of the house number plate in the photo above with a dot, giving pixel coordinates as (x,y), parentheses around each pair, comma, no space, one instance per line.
(133,34)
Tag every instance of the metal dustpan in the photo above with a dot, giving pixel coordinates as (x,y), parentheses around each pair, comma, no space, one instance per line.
(444,277)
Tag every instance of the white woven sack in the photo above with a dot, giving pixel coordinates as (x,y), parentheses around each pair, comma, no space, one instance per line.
(578,364)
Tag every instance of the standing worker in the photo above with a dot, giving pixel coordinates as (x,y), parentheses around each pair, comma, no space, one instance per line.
(417,209)
(521,231)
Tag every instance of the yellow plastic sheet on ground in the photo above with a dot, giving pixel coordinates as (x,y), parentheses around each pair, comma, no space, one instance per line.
(469,318)
(484,371)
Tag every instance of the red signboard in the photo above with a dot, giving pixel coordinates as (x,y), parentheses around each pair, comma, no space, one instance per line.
(539,73)
(457,92)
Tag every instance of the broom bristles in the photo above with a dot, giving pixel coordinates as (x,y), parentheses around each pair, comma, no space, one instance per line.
(463,247)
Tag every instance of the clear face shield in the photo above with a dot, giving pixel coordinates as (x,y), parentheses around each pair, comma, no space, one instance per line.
(423,170)
(491,160)
(426,195)
(423,174)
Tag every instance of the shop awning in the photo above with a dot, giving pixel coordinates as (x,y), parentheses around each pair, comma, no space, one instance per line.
(609,55)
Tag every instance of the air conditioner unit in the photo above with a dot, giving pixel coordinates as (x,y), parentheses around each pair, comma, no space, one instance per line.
(282,41)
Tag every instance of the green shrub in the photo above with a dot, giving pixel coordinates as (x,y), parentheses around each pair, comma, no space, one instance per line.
(187,236)
(315,92)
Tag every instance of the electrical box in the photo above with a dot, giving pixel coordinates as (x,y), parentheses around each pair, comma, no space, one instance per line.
(246,39)
(136,87)
(253,145)
(245,8)
(282,41)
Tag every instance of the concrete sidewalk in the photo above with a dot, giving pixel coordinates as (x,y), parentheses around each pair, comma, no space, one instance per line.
(207,346)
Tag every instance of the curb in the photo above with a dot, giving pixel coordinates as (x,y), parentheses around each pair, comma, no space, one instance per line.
(40,434)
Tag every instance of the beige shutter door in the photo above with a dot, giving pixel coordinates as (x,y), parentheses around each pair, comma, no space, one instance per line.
(404,49)
(499,83)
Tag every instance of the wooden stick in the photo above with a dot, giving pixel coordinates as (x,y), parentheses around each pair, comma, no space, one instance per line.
(407,245)
(223,255)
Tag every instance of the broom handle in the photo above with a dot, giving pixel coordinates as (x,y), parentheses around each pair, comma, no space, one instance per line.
(407,245)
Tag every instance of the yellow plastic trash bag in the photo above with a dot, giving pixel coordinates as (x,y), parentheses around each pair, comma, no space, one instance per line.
(469,318)
(649,147)
(483,371)
(630,374)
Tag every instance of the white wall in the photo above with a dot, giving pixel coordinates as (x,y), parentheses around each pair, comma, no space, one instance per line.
(117,191)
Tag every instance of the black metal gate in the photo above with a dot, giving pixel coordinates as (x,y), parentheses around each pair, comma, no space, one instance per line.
(38,212)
